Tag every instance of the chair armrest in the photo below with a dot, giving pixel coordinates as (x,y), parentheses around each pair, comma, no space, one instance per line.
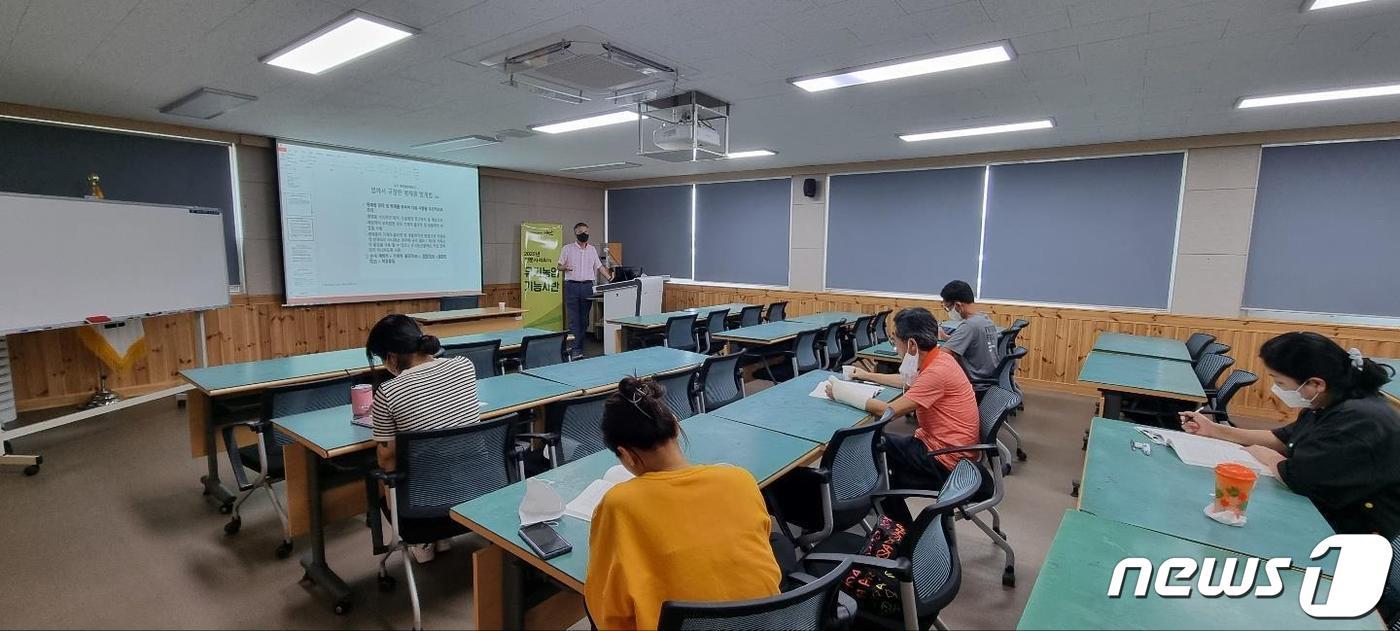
(389,478)
(900,567)
(953,450)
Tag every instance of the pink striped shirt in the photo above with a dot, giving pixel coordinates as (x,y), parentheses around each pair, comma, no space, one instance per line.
(582,261)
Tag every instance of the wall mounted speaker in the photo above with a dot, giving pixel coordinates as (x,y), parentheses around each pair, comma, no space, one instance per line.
(809,187)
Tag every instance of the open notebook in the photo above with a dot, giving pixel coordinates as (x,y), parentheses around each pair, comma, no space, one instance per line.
(582,507)
(862,390)
(1201,451)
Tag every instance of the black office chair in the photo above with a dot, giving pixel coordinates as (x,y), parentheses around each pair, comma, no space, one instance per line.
(826,501)
(679,333)
(1006,380)
(810,606)
(1197,343)
(715,322)
(1006,340)
(573,429)
(881,323)
(538,351)
(1216,348)
(992,412)
(1209,368)
(1390,594)
(719,382)
(1219,404)
(677,388)
(751,316)
(803,358)
(862,333)
(433,472)
(265,458)
(485,356)
(928,569)
(832,345)
(777,312)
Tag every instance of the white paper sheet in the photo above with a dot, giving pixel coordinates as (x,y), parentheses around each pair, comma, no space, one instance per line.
(582,507)
(1202,451)
(863,390)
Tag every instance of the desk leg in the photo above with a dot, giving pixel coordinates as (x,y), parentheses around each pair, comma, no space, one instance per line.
(620,339)
(1112,405)
(200,409)
(317,571)
(496,597)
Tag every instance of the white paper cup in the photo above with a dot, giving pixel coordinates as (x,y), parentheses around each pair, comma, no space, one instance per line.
(848,372)
(500,305)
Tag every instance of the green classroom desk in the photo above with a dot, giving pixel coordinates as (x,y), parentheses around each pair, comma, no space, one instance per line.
(654,322)
(827,317)
(1161,493)
(326,434)
(767,333)
(598,374)
(1392,389)
(1159,347)
(1071,590)
(463,321)
(1116,374)
(709,440)
(882,352)
(510,338)
(786,408)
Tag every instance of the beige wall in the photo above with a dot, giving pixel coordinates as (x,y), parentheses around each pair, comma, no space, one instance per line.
(807,245)
(1217,216)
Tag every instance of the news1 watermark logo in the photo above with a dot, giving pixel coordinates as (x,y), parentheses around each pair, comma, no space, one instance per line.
(1362,564)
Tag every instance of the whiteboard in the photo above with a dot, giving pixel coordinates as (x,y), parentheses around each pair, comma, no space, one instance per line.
(64,259)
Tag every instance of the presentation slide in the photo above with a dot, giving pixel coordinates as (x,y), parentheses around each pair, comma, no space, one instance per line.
(358,226)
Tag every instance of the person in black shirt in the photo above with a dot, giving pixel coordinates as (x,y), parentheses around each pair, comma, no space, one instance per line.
(1343,452)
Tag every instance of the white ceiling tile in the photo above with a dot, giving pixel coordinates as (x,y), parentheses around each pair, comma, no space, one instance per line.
(1049,64)
(1097,32)
(1093,11)
(1000,10)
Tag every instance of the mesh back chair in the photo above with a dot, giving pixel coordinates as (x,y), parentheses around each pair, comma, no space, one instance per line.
(719,382)
(1007,339)
(1390,595)
(995,407)
(1209,368)
(828,500)
(678,387)
(680,333)
(928,569)
(809,606)
(751,316)
(1197,343)
(832,344)
(1006,380)
(777,311)
(881,333)
(1238,380)
(861,331)
(573,428)
(266,457)
(1216,348)
(715,322)
(485,356)
(537,351)
(433,472)
(803,358)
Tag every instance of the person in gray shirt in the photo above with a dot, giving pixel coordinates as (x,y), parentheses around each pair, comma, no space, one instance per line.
(974,340)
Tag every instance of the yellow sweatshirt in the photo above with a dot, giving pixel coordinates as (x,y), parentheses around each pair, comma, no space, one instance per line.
(699,533)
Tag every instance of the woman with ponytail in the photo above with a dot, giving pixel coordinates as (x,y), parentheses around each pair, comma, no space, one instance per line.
(676,531)
(424,394)
(1343,452)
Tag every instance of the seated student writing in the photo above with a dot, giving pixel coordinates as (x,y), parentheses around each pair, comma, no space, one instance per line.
(975,339)
(677,531)
(424,394)
(939,395)
(1343,451)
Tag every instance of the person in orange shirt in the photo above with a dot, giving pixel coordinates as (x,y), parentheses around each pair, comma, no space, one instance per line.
(937,392)
(677,531)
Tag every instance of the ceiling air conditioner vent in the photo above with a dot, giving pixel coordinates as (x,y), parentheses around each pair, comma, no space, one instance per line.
(583,64)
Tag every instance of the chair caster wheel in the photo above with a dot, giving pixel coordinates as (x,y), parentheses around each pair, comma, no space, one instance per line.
(342,607)
(1008,577)
(231,528)
(1074,492)
(1006,468)
(225,509)
(283,551)
(31,470)
(387,583)
(1020,455)
(1002,535)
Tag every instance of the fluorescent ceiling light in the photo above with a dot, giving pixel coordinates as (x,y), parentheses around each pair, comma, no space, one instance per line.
(899,69)
(353,35)
(458,144)
(977,131)
(206,103)
(753,153)
(606,166)
(600,120)
(1313,5)
(1314,97)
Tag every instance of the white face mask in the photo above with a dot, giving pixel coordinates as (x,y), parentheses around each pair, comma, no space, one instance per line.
(909,368)
(953,315)
(1292,398)
(541,503)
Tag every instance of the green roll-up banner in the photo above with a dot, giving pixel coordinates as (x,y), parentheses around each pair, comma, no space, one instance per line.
(541,282)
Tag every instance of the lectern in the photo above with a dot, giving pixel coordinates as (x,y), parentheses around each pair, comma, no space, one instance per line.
(639,296)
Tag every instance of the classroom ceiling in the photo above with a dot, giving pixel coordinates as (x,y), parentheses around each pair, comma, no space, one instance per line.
(1105,70)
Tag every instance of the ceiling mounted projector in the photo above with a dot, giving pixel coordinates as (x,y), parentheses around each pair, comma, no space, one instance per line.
(684,127)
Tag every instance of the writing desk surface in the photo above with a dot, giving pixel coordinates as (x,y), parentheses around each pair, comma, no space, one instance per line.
(510,339)
(1147,346)
(1161,493)
(787,408)
(709,440)
(1391,389)
(825,318)
(329,432)
(459,315)
(659,319)
(1071,590)
(607,370)
(1159,377)
(767,333)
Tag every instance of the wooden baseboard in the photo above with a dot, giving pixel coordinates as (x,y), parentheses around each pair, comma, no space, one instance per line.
(75,398)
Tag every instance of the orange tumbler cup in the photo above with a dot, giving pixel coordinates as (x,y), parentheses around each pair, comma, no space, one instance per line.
(1234,483)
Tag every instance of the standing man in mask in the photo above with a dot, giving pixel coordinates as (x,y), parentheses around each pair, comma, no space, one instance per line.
(975,338)
(581,266)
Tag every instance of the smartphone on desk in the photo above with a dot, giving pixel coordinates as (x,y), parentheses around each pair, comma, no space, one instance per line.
(544,540)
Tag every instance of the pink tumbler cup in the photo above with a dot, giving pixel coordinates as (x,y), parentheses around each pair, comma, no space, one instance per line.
(361,399)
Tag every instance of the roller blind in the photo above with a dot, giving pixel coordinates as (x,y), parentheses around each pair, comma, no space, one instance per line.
(1326,234)
(1097,231)
(741,231)
(653,225)
(922,227)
